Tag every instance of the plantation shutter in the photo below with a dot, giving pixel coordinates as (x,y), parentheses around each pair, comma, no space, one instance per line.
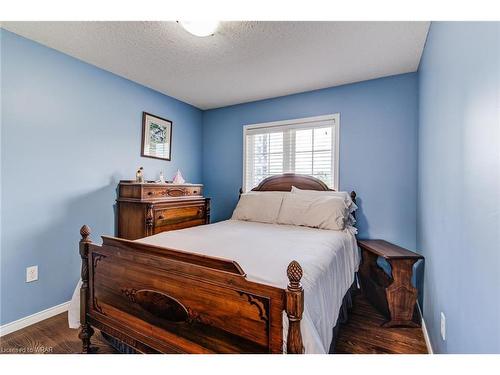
(307,147)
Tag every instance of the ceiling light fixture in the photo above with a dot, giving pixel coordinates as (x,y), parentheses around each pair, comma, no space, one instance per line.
(200,28)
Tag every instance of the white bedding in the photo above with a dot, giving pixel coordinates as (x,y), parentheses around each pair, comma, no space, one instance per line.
(329,260)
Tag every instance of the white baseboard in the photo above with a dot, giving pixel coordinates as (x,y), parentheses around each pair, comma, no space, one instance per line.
(425,332)
(32,319)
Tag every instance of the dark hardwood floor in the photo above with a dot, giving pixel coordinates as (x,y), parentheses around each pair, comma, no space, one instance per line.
(361,335)
(49,336)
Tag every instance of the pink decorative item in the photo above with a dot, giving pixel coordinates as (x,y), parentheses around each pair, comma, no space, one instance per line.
(178,179)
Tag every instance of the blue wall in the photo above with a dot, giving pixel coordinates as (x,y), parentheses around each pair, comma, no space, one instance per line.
(70,131)
(459,185)
(378,149)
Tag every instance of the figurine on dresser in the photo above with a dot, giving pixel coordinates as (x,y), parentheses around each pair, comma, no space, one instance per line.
(139,175)
(149,208)
(162,178)
(178,179)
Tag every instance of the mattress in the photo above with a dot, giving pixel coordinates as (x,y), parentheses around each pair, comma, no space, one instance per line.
(328,258)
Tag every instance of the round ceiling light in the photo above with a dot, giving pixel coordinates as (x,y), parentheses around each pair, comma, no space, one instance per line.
(200,28)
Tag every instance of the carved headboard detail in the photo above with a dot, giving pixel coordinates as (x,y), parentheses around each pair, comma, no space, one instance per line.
(284,182)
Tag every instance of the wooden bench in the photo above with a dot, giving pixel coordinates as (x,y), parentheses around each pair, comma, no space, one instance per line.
(395,296)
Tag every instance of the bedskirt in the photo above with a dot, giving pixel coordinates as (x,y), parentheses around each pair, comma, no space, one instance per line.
(343,315)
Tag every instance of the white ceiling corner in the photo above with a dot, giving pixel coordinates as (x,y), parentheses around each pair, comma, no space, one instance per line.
(243,61)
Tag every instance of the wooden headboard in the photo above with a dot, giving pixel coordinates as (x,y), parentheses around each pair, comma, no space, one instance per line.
(284,182)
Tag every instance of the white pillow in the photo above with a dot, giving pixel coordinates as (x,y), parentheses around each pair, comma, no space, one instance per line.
(261,206)
(316,211)
(342,194)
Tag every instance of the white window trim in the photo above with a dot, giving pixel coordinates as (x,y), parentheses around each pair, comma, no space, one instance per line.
(335,117)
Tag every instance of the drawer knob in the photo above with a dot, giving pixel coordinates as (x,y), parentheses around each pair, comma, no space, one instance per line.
(150,193)
(161,217)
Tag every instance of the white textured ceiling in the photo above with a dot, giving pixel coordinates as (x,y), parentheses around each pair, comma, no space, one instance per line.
(243,61)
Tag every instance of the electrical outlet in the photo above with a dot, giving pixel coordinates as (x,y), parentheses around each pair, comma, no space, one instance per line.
(443,326)
(31,274)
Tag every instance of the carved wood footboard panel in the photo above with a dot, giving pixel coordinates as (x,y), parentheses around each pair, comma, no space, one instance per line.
(168,301)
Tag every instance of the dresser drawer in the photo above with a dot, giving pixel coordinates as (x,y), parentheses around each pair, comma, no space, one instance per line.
(173,215)
(179,225)
(145,209)
(155,192)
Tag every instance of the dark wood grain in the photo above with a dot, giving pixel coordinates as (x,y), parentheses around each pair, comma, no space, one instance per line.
(284,182)
(86,330)
(209,290)
(395,296)
(50,336)
(150,208)
(294,308)
(362,334)
(153,190)
(176,255)
(388,250)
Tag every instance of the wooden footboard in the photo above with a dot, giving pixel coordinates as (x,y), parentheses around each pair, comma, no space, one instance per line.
(169,301)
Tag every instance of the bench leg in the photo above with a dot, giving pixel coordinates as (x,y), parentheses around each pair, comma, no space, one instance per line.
(401,294)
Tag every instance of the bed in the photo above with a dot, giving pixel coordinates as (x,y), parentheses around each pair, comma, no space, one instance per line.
(229,287)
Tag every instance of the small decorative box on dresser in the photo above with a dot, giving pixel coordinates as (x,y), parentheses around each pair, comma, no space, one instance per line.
(395,296)
(145,209)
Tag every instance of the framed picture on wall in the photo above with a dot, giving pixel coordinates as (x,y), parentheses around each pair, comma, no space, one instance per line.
(156,137)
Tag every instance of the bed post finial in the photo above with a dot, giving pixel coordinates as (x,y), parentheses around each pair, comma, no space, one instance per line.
(85,233)
(86,330)
(294,308)
(353,196)
(294,273)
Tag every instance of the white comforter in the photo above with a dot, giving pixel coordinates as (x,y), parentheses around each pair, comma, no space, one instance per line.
(329,260)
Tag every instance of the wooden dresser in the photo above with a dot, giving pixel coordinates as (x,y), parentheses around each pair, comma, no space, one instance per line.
(150,208)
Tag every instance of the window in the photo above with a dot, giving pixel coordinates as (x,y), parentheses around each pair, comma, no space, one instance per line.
(305,146)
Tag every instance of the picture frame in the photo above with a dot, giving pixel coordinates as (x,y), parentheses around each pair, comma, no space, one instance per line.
(156,137)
